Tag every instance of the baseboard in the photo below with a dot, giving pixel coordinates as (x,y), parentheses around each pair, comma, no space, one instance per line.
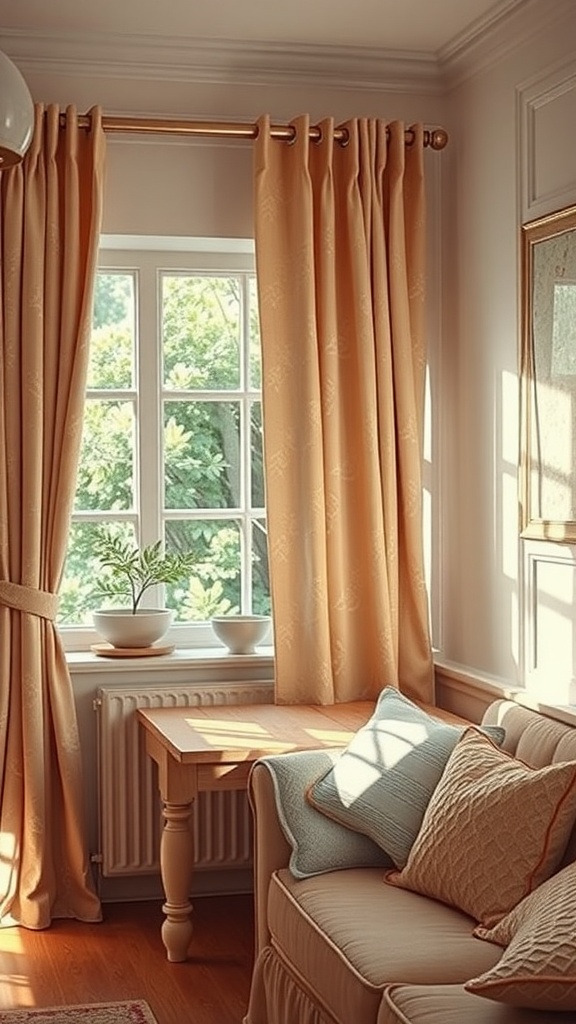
(134,888)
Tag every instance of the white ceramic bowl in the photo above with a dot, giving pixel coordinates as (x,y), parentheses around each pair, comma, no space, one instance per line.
(241,633)
(123,629)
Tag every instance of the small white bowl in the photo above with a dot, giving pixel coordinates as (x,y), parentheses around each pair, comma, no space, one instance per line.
(241,633)
(123,629)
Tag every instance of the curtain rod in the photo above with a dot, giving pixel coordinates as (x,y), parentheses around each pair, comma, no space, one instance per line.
(435,138)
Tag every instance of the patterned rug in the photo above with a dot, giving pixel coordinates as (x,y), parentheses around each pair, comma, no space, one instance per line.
(134,1011)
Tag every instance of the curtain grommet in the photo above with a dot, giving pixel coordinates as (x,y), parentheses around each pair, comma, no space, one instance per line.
(344,140)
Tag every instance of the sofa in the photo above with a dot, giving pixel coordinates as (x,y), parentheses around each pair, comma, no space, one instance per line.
(472,920)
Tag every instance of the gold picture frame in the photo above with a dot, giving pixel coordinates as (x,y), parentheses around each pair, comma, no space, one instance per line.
(548,378)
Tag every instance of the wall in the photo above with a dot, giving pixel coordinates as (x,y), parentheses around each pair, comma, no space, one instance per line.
(512,158)
(200,186)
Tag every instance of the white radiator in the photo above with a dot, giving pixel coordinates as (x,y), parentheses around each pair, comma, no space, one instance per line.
(130,817)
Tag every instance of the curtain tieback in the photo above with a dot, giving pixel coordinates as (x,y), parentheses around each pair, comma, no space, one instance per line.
(29,600)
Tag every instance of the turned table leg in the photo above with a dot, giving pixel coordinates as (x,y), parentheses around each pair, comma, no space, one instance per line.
(176,865)
(178,785)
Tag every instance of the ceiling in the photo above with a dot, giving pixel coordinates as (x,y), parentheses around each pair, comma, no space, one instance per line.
(419,26)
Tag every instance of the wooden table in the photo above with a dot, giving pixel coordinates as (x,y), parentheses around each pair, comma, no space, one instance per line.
(211,748)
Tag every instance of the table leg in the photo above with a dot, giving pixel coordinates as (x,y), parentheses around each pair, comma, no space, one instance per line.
(176,866)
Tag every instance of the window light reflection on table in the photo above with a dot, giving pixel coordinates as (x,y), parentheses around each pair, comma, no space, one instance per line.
(252,734)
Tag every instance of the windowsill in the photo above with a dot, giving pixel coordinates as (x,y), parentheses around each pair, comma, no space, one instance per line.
(460,678)
(205,659)
(180,658)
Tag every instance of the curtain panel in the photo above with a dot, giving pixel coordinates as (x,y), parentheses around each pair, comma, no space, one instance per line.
(340,251)
(51,207)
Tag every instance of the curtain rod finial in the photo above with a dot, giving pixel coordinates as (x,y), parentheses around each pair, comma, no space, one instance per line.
(438,138)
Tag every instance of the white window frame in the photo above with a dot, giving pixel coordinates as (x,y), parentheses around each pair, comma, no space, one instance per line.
(148,256)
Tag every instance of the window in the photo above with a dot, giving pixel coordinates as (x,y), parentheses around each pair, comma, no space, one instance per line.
(172,442)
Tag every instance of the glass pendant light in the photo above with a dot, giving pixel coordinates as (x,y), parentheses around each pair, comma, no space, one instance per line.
(16,114)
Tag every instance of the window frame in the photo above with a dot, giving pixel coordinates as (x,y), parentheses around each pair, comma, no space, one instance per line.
(148,257)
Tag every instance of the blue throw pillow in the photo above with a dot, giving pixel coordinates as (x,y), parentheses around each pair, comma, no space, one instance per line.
(381,784)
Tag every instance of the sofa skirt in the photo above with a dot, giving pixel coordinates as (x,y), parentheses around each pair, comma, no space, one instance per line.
(278,997)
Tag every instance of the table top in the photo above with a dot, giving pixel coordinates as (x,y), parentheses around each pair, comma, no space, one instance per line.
(245,732)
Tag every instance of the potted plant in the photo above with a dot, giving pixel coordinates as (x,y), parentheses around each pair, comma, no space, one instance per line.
(129,571)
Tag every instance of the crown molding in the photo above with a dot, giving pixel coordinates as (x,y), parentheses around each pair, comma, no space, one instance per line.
(505,27)
(489,22)
(488,40)
(223,62)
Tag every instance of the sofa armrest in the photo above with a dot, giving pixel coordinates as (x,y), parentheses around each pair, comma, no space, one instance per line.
(271,849)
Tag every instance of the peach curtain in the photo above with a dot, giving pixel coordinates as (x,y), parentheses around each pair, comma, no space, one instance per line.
(340,243)
(50,221)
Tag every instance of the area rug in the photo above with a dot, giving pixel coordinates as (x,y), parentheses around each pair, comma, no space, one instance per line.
(133,1011)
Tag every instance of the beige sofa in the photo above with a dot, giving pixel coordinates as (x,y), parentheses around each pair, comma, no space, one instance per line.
(344,947)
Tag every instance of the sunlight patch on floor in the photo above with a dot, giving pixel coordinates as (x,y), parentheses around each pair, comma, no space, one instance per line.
(14,987)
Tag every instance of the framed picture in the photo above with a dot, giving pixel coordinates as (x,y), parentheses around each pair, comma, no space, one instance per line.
(548,378)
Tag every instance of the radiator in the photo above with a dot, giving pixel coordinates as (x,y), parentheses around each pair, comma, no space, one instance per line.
(130,816)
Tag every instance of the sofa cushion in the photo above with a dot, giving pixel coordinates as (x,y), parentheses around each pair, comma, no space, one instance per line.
(447,1004)
(538,967)
(479,848)
(382,782)
(317,843)
(349,935)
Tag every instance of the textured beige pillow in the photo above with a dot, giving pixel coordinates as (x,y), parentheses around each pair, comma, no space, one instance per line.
(493,831)
(538,968)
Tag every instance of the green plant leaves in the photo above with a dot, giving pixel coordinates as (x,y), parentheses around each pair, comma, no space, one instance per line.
(133,570)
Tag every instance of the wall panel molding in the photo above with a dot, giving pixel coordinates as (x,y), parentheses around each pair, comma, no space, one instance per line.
(547,153)
(549,648)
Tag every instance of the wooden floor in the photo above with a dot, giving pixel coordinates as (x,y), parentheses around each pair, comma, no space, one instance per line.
(123,958)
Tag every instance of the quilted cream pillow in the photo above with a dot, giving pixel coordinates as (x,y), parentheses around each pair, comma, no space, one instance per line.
(493,831)
(538,968)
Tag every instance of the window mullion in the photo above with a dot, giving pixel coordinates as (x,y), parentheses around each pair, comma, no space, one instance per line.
(149,433)
(245,443)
